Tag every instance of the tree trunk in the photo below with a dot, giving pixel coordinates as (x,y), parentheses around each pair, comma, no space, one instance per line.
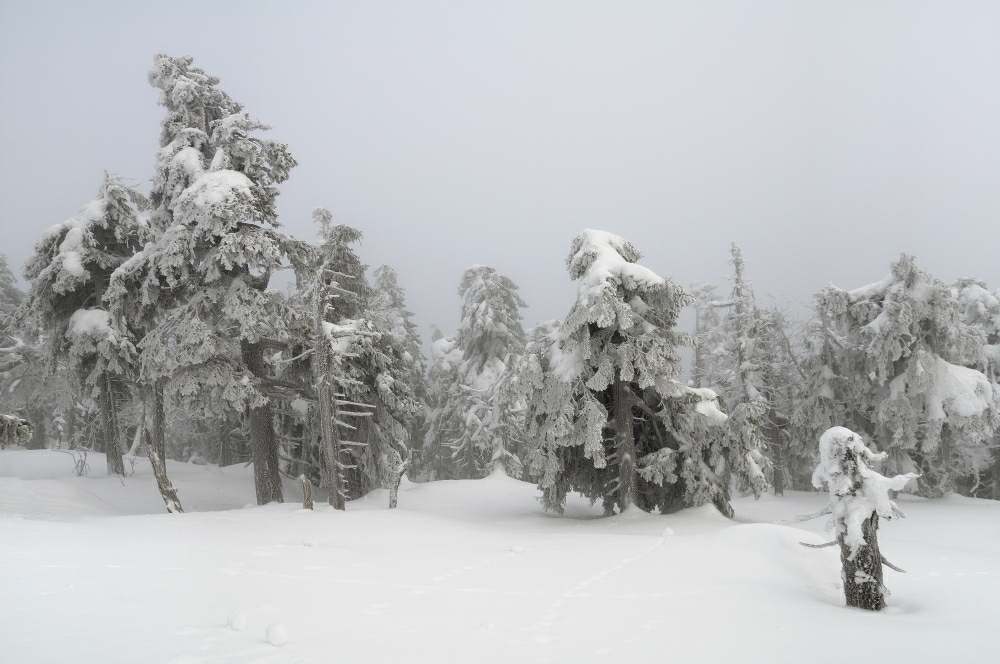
(112,436)
(307,493)
(625,443)
(862,574)
(167,490)
(159,418)
(263,442)
(397,477)
(225,453)
(323,370)
(38,434)
(156,460)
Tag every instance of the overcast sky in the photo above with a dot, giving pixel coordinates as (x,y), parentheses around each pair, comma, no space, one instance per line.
(824,138)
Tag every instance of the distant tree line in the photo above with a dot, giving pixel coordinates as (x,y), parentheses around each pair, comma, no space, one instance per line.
(151,327)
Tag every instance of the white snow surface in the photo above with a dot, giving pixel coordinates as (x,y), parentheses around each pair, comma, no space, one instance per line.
(94,570)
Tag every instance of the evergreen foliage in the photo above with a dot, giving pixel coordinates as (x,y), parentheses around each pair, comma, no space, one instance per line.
(473,429)
(903,372)
(604,414)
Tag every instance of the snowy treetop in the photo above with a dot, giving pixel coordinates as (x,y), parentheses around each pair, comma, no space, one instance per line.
(600,259)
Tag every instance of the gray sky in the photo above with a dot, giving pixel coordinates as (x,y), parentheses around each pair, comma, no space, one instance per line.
(825,138)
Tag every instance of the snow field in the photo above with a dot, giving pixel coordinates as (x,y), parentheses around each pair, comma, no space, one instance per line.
(463,571)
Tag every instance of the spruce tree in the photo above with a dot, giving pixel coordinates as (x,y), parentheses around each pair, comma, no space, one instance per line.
(605,416)
(905,361)
(472,426)
(70,270)
(202,284)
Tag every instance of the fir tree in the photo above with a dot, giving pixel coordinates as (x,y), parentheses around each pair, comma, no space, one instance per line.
(905,356)
(70,271)
(202,284)
(604,415)
(472,425)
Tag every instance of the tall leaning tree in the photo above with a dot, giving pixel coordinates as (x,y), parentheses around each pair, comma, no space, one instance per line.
(203,281)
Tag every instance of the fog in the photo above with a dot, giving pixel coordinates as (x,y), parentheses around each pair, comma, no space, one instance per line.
(824,138)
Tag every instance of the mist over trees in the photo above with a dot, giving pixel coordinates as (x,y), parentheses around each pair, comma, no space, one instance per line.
(151,326)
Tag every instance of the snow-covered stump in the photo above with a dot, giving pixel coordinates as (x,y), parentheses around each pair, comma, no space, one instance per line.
(862,569)
(858,497)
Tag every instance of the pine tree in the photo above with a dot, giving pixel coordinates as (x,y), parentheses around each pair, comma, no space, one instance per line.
(604,415)
(202,284)
(904,357)
(472,425)
(70,271)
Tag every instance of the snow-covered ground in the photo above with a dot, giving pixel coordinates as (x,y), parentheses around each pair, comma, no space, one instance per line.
(92,570)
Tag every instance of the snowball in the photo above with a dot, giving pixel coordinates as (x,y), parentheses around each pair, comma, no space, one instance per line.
(237,621)
(517,548)
(309,542)
(277,635)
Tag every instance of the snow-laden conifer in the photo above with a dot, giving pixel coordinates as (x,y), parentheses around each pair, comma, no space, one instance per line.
(472,429)
(70,271)
(859,496)
(605,416)
(981,309)
(908,358)
(201,285)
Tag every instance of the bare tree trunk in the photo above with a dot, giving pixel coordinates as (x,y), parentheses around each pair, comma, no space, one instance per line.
(263,442)
(863,587)
(625,442)
(323,370)
(167,490)
(397,476)
(225,453)
(159,418)
(156,460)
(307,493)
(38,434)
(112,436)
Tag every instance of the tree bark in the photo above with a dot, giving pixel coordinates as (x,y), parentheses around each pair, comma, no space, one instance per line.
(863,587)
(167,490)
(225,452)
(307,493)
(397,477)
(159,418)
(150,394)
(625,442)
(112,435)
(323,370)
(263,442)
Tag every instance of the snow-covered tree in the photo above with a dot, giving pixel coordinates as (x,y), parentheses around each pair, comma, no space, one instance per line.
(742,350)
(904,360)
(14,431)
(202,283)
(371,400)
(604,415)
(858,497)
(471,424)
(981,310)
(70,271)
